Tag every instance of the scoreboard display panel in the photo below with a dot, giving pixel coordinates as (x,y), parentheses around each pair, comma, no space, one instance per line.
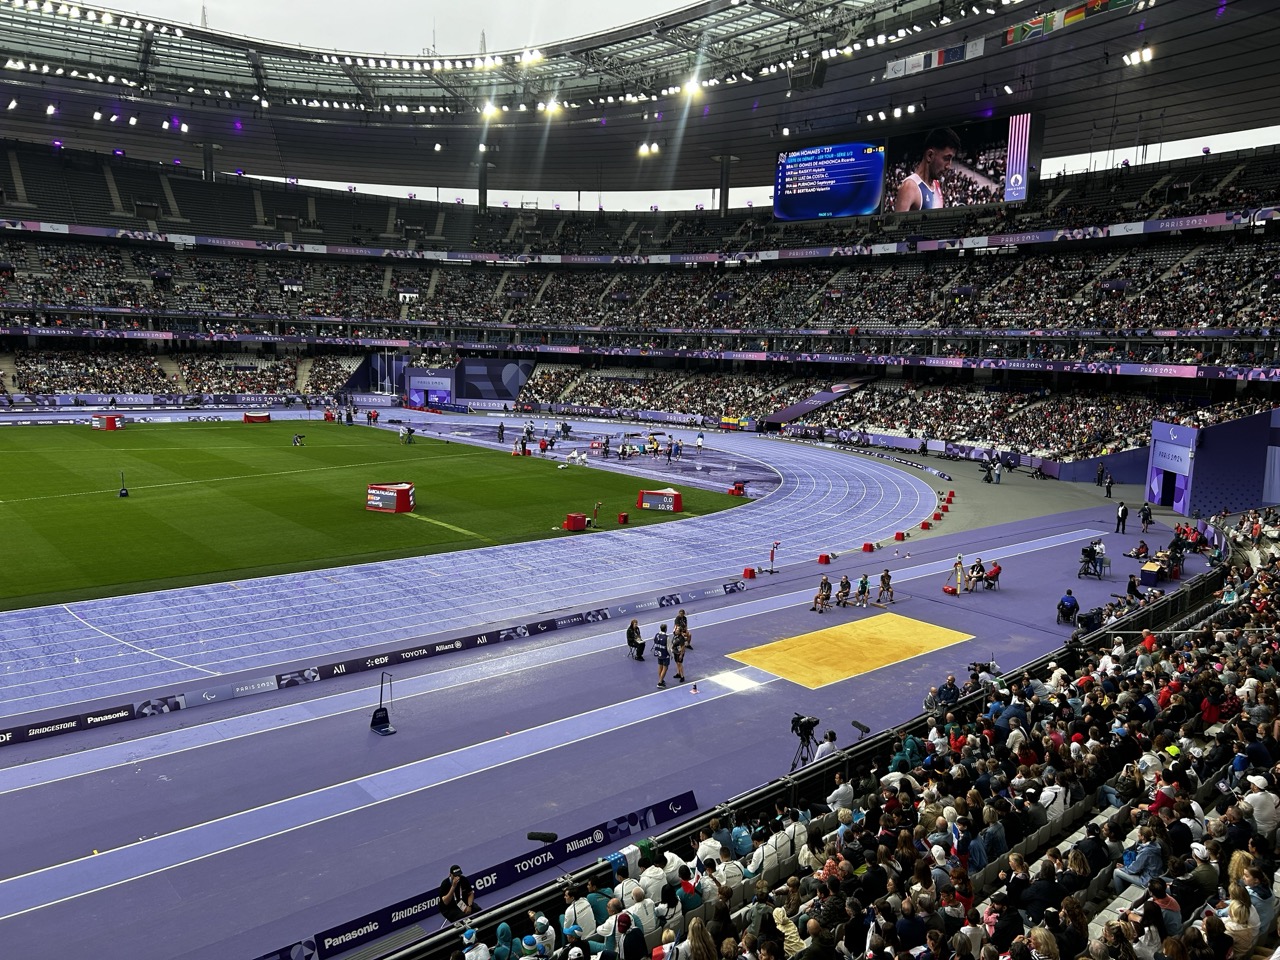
(669,500)
(835,180)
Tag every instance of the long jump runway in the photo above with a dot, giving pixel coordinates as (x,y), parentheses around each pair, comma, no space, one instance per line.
(102,649)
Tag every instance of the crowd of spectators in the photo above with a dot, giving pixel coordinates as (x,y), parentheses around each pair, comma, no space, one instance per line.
(1178,284)
(1061,427)
(954,840)
(704,395)
(548,384)
(211,373)
(89,371)
(329,374)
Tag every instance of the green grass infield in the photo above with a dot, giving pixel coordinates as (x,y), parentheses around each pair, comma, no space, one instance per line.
(214,502)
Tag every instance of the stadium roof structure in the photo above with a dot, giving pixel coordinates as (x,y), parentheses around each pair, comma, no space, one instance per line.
(717,78)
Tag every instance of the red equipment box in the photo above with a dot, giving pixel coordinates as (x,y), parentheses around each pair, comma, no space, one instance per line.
(390,497)
(107,421)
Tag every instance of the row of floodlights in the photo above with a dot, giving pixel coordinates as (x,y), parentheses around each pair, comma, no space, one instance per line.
(486,62)
(44,69)
(106,18)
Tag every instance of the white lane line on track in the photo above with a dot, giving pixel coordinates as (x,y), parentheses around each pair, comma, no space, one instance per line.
(429,684)
(807,481)
(133,646)
(105,860)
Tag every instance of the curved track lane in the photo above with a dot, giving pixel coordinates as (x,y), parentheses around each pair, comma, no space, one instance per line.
(61,655)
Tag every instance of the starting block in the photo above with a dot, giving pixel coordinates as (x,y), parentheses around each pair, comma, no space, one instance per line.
(899,536)
(937,515)
(868,548)
(925,525)
(748,573)
(825,557)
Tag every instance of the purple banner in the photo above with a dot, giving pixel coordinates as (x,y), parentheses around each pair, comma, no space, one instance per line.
(808,405)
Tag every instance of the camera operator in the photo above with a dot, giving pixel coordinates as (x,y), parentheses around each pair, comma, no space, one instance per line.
(826,747)
(1099,551)
(457,898)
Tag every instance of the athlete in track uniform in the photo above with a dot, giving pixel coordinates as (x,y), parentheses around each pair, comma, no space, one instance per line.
(922,189)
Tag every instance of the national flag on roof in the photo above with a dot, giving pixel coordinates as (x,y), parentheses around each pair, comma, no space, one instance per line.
(1073,16)
(1093,7)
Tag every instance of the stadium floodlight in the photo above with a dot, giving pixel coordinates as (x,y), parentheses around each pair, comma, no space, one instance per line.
(482,148)
(133,121)
(114,117)
(1147,54)
(438,148)
(13,104)
(183,128)
(50,110)
(911,108)
(653,147)
(786,131)
(644,149)
(897,112)
(882,116)
(870,117)
(164,124)
(1008,89)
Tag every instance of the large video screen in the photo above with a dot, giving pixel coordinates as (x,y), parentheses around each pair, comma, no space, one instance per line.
(958,166)
(837,180)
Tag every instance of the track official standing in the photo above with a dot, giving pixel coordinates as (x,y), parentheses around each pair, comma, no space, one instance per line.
(662,651)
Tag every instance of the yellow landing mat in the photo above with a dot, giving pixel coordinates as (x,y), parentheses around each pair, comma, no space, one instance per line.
(846,650)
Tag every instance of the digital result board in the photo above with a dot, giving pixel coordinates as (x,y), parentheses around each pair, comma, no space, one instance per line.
(837,180)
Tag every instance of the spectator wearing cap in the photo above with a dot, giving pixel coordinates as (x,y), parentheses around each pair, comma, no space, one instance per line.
(630,939)
(544,933)
(575,946)
(1203,879)
(529,947)
(1262,802)
(578,913)
(457,897)
(472,946)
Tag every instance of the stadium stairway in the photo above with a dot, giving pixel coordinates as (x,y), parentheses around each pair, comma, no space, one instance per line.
(8,371)
(304,371)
